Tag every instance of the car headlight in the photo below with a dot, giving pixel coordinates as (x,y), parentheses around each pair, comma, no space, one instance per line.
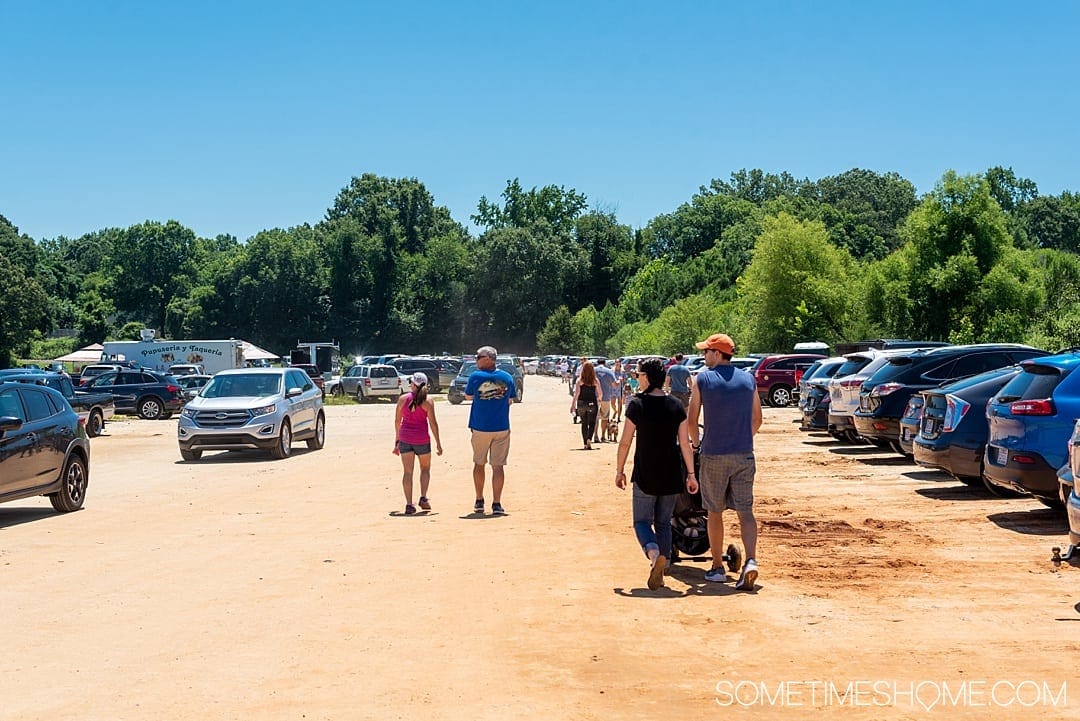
(265,410)
(188,412)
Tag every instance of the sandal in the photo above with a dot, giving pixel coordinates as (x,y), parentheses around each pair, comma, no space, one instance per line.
(410,509)
(425,503)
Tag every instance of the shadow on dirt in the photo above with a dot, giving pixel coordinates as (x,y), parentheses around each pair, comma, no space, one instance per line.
(1034,522)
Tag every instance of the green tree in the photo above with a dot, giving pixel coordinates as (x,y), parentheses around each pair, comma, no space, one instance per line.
(557,335)
(552,204)
(795,289)
(24,308)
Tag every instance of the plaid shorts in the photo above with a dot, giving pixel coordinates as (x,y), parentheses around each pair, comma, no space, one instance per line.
(727,481)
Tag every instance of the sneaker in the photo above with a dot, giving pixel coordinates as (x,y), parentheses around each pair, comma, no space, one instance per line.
(656,574)
(748,576)
(478,507)
(410,509)
(425,503)
(498,510)
(716,575)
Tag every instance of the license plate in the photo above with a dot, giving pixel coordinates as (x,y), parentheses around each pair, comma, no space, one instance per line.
(927,426)
(905,434)
(1002,456)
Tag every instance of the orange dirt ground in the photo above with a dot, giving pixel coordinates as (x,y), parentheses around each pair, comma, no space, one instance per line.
(244,588)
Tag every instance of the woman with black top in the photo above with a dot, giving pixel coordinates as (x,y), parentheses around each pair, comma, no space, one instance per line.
(586,402)
(662,452)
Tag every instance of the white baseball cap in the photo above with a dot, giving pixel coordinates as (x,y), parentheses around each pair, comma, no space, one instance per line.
(418,379)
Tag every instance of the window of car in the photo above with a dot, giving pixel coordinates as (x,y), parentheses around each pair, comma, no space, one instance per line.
(128,378)
(37,405)
(1034,383)
(783,364)
(383,372)
(11,405)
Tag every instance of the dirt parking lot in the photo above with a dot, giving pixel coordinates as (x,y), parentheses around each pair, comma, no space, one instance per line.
(244,588)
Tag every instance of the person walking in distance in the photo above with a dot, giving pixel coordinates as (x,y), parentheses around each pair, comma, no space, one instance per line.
(491,391)
(608,387)
(732,415)
(662,452)
(586,402)
(679,380)
(415,414)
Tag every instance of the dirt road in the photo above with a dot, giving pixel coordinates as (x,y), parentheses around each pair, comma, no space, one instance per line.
(244,588)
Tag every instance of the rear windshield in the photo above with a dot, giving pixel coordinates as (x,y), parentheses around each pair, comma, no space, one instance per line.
(852,365)
(964,384)
(1033,383)
(383,372)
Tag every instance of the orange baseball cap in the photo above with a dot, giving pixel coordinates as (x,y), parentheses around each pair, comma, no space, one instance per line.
(718,341)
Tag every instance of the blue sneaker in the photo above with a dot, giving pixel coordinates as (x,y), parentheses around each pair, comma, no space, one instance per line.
(716,575)
(497,509)
(478,507)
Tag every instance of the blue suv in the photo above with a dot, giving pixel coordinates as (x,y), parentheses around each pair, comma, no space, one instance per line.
(1031,421)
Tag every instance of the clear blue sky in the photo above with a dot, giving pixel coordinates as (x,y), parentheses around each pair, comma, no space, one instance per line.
(232,117)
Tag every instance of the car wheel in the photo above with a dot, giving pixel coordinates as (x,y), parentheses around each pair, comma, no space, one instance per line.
(780,396)
(339,392)
(95,423)
(320,434)
(283,448)
(454,400)
(190,455)
(150,408)
(73,482)
(360,397)
(970,481)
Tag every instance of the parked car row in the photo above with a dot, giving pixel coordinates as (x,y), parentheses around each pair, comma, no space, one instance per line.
(1001,416)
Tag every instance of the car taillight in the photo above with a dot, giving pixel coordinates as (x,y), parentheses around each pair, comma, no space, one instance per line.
(885,389)
(367,383)
(798,377)
(172,389)
(1041,407)
(850,384)
(955,408)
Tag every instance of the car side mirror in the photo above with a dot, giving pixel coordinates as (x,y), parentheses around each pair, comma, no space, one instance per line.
(10,423)
(293,392)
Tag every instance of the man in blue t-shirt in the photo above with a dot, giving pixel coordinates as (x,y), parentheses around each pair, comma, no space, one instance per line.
(491,391)
(678,381)
(608,383)
(729,398)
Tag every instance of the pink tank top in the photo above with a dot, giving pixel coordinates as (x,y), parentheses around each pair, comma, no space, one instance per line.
(414,425)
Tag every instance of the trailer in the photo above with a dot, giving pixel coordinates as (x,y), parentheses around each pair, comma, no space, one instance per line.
(161,355)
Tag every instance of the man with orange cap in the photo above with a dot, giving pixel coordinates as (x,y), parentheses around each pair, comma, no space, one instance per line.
(729,399)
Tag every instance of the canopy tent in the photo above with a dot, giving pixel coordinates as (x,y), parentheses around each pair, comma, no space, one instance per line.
(89,354)
(254,352)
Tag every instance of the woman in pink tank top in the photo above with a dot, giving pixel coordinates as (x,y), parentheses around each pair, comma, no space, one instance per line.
(414,415)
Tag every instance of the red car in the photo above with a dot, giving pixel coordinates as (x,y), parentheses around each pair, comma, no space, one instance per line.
(316,375)
(775,376)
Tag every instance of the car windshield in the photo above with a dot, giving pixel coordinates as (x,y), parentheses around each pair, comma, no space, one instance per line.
(243,385)
(467,368)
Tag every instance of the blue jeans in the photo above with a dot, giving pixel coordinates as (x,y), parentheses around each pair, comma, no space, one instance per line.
(652,521)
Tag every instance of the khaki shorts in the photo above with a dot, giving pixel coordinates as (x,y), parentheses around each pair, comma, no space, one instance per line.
(605,410)
(727,481)
(493,444)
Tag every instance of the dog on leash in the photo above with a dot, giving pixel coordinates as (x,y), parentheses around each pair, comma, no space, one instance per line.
(611,430)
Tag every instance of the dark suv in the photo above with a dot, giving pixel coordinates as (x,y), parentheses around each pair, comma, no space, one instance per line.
(44,450)
(408,366)
(775,376)
(883,396)
(140,392)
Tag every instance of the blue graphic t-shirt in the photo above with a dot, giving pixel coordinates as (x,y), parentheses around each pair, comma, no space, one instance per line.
(491,392)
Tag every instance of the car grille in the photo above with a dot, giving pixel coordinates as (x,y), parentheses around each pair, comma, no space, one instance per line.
(222,419)
(222,440)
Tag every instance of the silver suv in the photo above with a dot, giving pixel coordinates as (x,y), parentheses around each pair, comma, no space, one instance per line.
(367,381)
(265,408)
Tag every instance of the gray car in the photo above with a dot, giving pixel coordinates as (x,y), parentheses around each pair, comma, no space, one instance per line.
(367,381)
(262,408)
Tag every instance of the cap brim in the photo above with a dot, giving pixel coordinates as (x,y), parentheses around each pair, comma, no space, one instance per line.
(702,346)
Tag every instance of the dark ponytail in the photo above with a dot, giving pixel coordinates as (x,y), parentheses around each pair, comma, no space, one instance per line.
(418,397)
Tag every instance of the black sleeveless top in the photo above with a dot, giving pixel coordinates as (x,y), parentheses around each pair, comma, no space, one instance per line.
(587,395)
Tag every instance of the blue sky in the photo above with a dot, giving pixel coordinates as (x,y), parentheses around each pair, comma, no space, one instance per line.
(232,117)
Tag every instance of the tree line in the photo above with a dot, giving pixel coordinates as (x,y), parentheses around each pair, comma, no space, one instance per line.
(767,257)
